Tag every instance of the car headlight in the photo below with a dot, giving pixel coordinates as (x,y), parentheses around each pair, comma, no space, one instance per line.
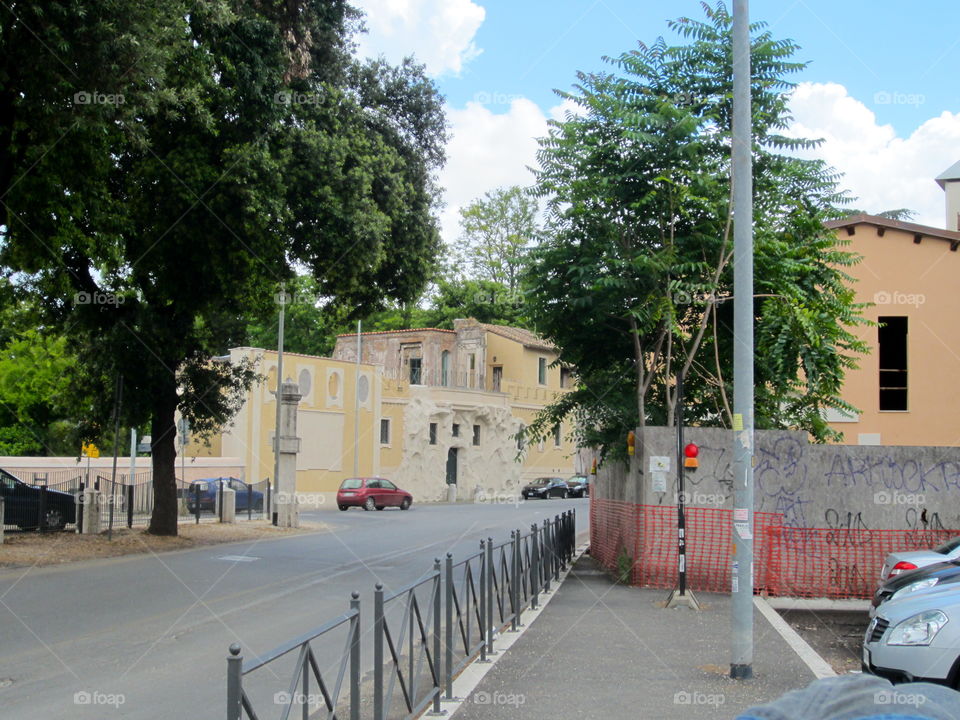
(919,629)
(914,587)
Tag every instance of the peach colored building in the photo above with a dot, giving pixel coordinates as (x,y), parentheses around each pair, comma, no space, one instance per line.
(906,388)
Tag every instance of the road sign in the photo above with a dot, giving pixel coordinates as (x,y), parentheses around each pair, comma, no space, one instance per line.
(90,450)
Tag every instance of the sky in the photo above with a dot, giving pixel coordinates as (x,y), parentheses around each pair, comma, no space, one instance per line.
(881,87)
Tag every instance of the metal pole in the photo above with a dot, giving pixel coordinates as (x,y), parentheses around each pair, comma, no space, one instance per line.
(490,571)
(535,578)
(483,601)
(378,652)
(681,495)
(276,427)
(356,406)
(118,400)
(741,663)
(548,558)
(133,456)
(448,665)
(355,658)
(515,572)
(234,683)
(437,666)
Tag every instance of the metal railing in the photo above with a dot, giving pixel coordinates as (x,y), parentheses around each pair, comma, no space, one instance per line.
(447,618)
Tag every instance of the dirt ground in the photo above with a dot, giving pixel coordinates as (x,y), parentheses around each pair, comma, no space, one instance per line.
(836,635)
(21,549)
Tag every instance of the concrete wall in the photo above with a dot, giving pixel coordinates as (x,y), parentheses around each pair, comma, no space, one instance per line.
(58,469)
(830,486)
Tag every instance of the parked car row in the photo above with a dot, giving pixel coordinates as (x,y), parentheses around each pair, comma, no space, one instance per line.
(914,630)
(577,486)
(21,504)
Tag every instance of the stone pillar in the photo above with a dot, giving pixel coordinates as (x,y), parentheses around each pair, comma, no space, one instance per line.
(229,500)
(288,511)
(90,507)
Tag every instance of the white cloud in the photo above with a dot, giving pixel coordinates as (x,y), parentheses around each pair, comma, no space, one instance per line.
(440,33)
(884,171)
(489,150)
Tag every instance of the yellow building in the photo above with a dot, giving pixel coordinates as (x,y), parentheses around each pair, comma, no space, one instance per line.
(905,387)
(431,409)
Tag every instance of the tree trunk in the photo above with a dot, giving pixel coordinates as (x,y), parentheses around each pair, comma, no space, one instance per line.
(164,456)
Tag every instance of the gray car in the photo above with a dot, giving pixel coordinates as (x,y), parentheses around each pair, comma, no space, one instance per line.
(901,562)
(916,638)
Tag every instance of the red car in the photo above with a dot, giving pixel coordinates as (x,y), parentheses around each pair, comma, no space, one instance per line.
(370,493)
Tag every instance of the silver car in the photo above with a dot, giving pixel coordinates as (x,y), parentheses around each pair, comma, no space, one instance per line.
(901,562)
(916,638)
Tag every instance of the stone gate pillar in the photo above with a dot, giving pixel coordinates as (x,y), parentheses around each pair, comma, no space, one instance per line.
(288,445)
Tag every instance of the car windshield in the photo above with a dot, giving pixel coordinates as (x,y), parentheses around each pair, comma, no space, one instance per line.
(351,484)
(8,480)
(540,481)
(948,547)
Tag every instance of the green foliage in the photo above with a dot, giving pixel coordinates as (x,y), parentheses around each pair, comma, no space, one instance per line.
(633,278)
(248,143)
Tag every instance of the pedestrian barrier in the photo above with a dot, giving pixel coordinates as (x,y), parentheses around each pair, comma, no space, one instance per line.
(443,620)
(639,544)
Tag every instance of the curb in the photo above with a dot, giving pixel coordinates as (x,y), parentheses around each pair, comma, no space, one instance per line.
(468,679)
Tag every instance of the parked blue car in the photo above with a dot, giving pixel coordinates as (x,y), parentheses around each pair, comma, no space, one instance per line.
(209,487)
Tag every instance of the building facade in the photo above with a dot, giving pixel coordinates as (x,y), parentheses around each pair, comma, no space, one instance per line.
(904,387)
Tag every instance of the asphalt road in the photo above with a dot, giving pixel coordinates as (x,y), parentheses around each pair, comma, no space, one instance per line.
(147,636)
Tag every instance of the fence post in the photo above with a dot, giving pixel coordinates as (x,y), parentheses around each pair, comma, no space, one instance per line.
(113,501)
(515,585)
(220,498)
(546,565)
(249,501)
(378,653)
(561,550)
(42,507)
(305,685)
(234,683)
(483,600)
(437,664)
(490,571)
(355,658)
(196,501)
(129,505)
(448,664)
(535,578)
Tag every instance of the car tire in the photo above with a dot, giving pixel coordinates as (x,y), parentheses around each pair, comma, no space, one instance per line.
(369,504)
(405,505)
(343,507)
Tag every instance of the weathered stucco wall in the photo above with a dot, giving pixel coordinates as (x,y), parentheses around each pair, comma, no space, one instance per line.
(830,486)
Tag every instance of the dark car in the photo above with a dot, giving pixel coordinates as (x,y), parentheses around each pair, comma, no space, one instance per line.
(372,493)
(209,487)
(920,580)
(546,487)
(578,486)
(21,505)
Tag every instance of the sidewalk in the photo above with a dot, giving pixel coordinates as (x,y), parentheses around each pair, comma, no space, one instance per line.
(606,651)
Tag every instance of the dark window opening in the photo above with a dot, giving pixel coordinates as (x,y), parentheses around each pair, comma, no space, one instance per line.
(565,377)
(556,435)
(433,433)
(893,363)
(384,431)
(542,371)
(476,434)
(415,365)
(456,430)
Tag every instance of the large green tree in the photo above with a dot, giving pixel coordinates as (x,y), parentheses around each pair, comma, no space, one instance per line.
(236,142)
(634,277)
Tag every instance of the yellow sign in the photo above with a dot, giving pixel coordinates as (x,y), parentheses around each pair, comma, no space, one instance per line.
(737,422)
(90,450)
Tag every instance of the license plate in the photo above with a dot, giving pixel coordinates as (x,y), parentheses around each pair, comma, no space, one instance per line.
(866,658)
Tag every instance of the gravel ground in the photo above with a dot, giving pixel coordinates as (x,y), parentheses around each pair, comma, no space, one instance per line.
(23,549)
(836,635)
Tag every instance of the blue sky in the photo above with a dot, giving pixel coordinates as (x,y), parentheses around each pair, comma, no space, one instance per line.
(881,86)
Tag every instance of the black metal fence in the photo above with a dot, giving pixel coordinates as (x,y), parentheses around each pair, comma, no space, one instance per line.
(424,633)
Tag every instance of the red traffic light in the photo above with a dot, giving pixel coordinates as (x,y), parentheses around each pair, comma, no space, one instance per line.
(691,450)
